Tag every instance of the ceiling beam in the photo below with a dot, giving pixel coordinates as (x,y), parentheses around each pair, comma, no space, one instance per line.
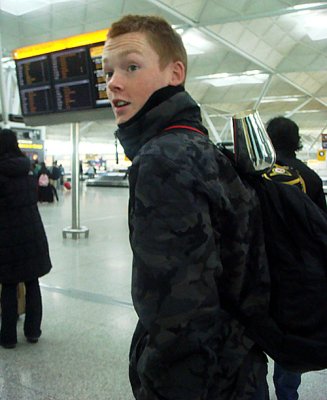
(289,114)
(263,92)
(267,14)
(211,126)
(261,64)
(227,129)
(235,48)
(204,6)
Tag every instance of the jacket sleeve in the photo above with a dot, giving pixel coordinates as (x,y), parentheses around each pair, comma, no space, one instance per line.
(175,267)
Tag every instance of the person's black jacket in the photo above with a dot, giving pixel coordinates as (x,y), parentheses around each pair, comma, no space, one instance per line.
(24,252)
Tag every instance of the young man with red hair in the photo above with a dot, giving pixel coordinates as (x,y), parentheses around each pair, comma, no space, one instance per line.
(197,247)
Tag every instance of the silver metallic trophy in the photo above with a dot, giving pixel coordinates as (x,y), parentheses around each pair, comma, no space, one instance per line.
(253,150)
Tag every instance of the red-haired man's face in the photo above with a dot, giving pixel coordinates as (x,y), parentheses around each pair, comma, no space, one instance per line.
(133,73)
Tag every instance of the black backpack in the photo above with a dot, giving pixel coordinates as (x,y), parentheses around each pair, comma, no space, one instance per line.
(294,333)
(295,228)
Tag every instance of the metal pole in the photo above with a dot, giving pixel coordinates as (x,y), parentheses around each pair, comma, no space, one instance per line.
(74,134)
(4,110)
(75,230)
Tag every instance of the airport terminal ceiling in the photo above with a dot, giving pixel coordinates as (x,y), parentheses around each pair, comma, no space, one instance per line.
(265,54)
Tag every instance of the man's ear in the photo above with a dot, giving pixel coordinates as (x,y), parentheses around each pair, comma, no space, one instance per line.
(177,76)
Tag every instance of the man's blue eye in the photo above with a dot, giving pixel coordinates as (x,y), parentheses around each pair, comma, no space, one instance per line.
(109,74)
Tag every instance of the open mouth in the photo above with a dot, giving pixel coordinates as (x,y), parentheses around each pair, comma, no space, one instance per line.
(120,103)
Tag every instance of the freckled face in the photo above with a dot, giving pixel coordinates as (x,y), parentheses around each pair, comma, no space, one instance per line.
(132,73)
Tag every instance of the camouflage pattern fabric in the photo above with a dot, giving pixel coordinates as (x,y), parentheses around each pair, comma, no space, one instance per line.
(197,250)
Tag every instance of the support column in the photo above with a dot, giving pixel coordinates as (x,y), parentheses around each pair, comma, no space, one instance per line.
(4,108)
(75,229)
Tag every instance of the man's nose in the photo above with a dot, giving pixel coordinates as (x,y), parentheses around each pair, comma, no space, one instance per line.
(115,82)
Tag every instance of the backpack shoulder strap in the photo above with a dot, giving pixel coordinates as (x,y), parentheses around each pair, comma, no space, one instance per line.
(187,127)
(286,174)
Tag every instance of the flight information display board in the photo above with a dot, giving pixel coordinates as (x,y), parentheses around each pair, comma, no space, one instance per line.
(73,95)
(66,80)
(33,71)
(69,64)
(36,100)
(98,76)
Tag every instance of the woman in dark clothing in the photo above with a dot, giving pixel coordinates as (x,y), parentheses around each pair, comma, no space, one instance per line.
(45,189)
(24,252)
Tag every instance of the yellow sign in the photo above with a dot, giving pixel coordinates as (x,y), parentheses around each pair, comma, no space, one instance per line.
(34,146)
(321,155)
(96,51)
(61,44)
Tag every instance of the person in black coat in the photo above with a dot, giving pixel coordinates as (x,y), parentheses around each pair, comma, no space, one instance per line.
(24,252)
(284,134)
(45,189)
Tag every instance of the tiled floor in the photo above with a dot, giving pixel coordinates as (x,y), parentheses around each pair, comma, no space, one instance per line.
(88,315)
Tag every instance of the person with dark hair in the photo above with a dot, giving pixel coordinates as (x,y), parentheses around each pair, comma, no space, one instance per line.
(62,174)
(285,137)
(55,175)
(23,243)
(36,168)
(198,248)
(46,190)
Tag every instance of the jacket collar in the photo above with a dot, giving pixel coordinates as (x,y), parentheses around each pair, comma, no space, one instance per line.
(165,107)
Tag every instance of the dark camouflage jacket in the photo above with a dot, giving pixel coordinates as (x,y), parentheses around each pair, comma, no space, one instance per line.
(197,250)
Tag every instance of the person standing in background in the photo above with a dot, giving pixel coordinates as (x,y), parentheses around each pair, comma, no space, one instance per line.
(284,134)
(62,174)
(55,175)
(35,168)
(23,243)
(46,191)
